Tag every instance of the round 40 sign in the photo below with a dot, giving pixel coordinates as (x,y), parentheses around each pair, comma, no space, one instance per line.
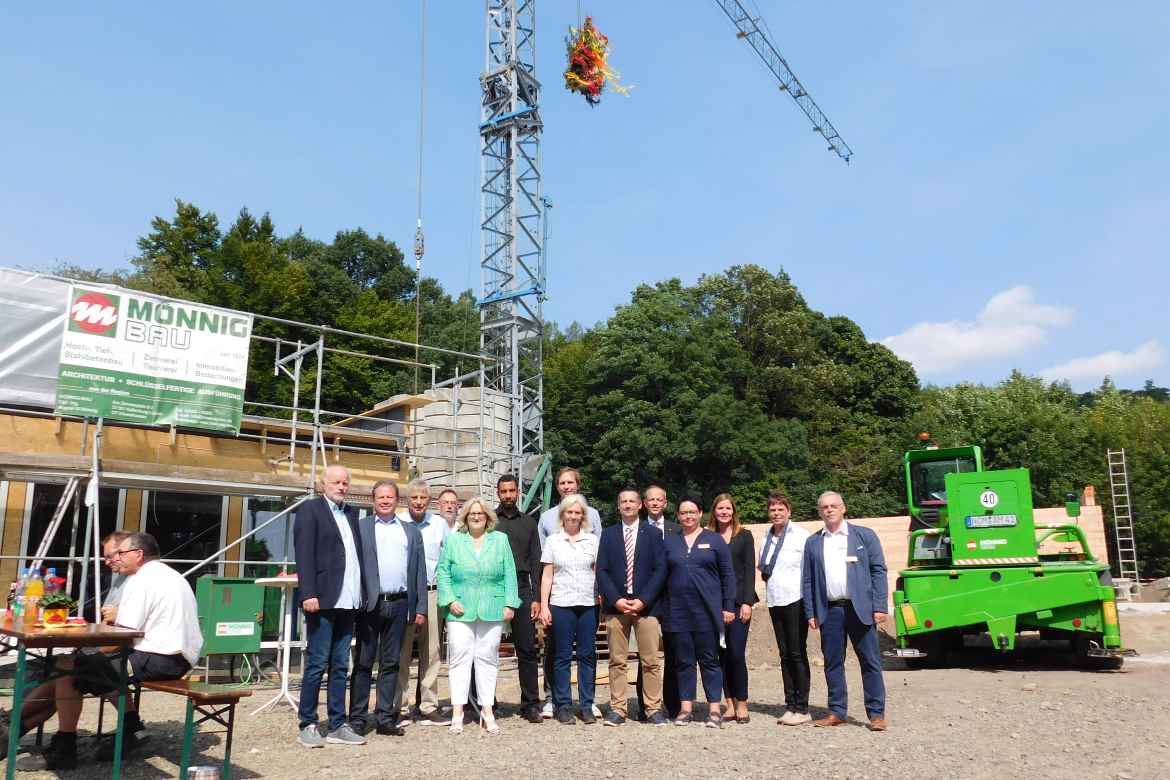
(989,499)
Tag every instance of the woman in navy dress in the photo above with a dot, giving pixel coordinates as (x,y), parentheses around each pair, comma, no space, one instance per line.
(698,602)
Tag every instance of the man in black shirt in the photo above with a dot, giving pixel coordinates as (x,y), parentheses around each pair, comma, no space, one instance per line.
(521,530)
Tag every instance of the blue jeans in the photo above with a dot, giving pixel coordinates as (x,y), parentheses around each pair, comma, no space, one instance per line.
(329,634)
(571,624)
(702,648)
(840,621)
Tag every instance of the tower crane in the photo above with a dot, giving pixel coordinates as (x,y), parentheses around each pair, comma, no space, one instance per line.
(512,220)
(749,30)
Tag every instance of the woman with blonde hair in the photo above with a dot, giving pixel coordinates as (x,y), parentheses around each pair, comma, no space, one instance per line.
(477,590)
(724,521)
(568,603)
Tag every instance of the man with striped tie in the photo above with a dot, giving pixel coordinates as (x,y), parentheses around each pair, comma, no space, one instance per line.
(631,569)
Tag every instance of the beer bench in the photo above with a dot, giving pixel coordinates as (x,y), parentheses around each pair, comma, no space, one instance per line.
(212,703)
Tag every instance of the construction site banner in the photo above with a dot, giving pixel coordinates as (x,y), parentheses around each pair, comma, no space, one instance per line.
(142,359)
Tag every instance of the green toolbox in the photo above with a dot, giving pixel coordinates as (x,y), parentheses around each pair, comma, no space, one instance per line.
(231,614)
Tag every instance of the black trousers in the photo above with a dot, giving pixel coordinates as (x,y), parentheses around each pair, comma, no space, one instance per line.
(524,640)
(791,629)
(379,635)
(733,659)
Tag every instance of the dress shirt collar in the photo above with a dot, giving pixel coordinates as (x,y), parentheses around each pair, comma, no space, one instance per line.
(390,520)
(843,530)
(630,526)
(426,520)
(335,506)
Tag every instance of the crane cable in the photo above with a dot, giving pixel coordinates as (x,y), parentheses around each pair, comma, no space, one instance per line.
(418,233)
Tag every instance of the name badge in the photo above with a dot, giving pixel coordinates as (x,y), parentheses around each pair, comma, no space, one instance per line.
(704,546)
(850,559)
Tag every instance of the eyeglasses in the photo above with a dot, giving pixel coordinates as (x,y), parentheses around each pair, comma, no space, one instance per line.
(477,514)
(120,553)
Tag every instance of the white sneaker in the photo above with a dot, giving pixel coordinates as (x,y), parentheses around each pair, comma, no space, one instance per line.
(546,711)
(796,718)
(596,711)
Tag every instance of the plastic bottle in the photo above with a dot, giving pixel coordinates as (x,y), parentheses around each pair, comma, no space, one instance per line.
(18,598)
(33,591)
(52,583)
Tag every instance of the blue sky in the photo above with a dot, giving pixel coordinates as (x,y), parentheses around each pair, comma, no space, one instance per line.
(1007,204)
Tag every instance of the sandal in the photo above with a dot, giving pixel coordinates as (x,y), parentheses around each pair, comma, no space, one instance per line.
(491,728)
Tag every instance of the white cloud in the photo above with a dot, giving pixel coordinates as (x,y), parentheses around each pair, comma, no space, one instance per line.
(1114,363)
(1010,323)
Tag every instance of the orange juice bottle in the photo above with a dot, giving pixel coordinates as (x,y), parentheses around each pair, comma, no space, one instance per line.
(32,597)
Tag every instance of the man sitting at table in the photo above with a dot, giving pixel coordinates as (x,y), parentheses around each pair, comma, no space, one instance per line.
(157,601)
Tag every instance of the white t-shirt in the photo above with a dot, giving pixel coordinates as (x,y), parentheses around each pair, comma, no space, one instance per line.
(160,603)
(573,562)
(783,586)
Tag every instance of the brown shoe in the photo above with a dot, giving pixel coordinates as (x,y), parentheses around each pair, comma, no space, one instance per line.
(877,723)
(829,720)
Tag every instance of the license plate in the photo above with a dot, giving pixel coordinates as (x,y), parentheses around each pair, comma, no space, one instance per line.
(991,521)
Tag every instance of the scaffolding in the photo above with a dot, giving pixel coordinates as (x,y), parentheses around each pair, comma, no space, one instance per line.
(462,446)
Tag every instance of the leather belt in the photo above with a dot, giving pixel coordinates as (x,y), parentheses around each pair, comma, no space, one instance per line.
(399,596)
(431,588)
(841,603)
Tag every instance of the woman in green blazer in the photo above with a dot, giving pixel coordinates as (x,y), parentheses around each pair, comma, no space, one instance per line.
(477,591)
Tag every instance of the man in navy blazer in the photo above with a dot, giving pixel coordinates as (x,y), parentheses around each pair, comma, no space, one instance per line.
(394,586)
(654,501)
(844,590)
(629,596)
(327,550)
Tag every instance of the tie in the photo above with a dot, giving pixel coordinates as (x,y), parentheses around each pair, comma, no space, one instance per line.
(629,560)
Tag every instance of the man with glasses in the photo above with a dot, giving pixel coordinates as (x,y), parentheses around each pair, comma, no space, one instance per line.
(156,601)
(434,532)
(41,704)
(448,503)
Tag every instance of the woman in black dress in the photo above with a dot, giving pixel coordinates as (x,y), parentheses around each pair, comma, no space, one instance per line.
(724,521)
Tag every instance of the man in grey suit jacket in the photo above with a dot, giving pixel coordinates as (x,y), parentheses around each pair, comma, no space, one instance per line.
(845,594)
(394,590)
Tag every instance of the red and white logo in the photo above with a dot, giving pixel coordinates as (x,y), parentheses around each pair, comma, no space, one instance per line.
(94,313)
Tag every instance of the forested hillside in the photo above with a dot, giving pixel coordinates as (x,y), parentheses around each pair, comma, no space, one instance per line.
(733,383)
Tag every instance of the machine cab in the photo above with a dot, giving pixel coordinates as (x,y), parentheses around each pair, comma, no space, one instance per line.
(926,472)
(926,494)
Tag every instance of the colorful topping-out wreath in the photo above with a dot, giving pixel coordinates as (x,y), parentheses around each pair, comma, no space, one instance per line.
(589,70)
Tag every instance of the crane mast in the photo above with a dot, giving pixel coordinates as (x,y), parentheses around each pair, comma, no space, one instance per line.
(512,281)
(749,29)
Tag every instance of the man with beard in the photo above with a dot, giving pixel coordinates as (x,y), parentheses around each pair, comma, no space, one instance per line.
(524,539)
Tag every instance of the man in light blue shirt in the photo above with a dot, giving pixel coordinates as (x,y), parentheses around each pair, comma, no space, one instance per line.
(395,589)
(433,529)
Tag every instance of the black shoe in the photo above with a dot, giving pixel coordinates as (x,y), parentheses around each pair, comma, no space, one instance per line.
(391,730)
(532,715)
(565,716)
(130,743)
(62,752)
(587,716)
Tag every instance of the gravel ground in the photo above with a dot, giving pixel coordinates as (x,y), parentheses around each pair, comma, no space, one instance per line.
(1032,716)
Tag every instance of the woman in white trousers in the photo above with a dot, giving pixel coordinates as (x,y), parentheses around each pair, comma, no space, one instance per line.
(477,588)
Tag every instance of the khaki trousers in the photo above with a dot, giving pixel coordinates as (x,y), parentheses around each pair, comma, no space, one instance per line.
(428,660)
(649,637)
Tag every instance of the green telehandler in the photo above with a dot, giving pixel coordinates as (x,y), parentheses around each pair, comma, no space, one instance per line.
(978,562)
